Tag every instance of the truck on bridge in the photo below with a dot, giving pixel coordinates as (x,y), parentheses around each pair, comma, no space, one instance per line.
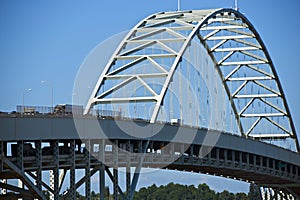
(68,109)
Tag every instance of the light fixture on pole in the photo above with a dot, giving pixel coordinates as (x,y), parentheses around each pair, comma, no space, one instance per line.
(48,82)
(23,107)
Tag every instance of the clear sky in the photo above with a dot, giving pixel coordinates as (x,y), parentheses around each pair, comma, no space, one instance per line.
(48,40)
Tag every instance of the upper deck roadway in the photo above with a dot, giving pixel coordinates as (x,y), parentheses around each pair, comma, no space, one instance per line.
(232,156)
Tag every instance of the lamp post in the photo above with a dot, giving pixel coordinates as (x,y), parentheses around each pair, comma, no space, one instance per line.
(23,107)
(51,85)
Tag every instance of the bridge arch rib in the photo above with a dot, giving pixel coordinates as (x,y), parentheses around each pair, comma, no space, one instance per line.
(157,45)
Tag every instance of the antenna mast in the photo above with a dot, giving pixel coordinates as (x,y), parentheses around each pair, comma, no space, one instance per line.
(178,5)
(236,5)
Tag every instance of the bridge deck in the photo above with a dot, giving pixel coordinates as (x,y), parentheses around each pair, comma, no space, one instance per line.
(60,128)
(231,156)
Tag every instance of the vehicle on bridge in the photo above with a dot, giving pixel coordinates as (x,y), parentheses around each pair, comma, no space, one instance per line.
(68,109)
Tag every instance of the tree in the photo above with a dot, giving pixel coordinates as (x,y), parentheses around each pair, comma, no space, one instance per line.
(254,193)
(184,192)
(225,195)
(205,193)
(241,196)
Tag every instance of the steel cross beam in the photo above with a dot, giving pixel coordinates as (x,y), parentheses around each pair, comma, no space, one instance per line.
(276,193)
(260,56)
(256,167)
(37,193)
(23,192)
(142,153)
(81,181)
(241,59)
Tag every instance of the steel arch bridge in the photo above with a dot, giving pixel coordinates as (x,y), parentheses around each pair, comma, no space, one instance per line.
(200,71)
(149,57)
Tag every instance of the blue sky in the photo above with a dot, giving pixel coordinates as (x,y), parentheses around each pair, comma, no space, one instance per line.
(48,40)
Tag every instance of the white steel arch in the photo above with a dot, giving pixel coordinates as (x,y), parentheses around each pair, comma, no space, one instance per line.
(240,57)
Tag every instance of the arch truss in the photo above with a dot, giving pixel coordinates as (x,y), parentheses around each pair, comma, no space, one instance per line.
(241,59)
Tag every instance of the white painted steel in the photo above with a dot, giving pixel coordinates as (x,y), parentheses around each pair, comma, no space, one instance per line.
(240,56)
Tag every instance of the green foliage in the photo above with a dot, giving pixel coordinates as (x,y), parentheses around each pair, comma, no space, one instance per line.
(225,195)
(179,192)
(184,192)
(79,196)
(241,196)
(254,192)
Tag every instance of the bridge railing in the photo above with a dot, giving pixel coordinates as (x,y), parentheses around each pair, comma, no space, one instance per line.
(26,109)
(30,110)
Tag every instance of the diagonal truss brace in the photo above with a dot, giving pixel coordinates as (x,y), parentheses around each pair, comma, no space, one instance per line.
(23,177)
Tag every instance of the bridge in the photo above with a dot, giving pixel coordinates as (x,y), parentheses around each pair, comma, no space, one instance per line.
(188,90)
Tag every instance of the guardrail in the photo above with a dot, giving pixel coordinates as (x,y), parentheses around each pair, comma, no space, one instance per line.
(29,110)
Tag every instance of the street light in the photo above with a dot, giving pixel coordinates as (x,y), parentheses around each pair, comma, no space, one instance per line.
(48,82)
(29,89)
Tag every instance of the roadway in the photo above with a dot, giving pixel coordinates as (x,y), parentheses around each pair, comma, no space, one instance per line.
(170,146)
